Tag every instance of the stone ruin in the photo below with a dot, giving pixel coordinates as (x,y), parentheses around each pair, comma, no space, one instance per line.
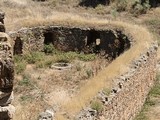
(2,28)
(106,43)
(6,74)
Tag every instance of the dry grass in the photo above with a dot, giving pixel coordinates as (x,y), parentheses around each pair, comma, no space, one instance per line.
(23,16)
(29,14)
(49,87)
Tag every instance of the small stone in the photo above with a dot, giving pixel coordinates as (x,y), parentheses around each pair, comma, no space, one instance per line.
(47,115)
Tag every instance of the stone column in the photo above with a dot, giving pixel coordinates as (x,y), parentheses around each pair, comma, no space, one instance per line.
(2,28)
(6,77)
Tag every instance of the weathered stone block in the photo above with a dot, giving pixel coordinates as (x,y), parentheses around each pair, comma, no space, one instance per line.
(6,113)
(6,64)
(2,28)
(2,14)
(6,78)
(6,98)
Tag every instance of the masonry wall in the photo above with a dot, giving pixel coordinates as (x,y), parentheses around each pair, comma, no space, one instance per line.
(135,85)
(2,28)
(111,42)
(130,91)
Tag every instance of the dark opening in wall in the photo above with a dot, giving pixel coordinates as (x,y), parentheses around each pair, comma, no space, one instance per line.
(2,28)
(93,41)
(49,38)
(105,43)
(93,3)
(92,36)
(18,46)
(124,43)
(2,21)
(112,44)
(154,3)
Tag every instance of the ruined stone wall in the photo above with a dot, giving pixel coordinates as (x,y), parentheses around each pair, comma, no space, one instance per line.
(132,88)
(111,42)
(2,28)
(130,91)
(6,75)
(64,39)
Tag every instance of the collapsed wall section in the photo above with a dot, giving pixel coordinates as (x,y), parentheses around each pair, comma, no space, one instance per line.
(6,75)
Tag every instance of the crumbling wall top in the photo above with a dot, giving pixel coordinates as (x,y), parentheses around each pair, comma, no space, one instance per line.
(2,14)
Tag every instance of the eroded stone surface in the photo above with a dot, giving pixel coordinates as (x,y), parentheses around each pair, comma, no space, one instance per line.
(2,28)
(6,74)
(2,14)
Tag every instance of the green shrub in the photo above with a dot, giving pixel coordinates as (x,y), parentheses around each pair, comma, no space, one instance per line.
(89,73)
(121,5)
(140,8)
(71,55)
(114,13)
(45,63)
(20,67)
(25,98)
(87,57)
(62,58)
(34,57)
(106,91)
(20,64)
(66,57)
(136,7)
(49,49)
(25,81)
(100,9)
(97,105)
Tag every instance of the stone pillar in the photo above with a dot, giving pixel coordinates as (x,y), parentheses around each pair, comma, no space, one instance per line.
(6,78)
(2,28)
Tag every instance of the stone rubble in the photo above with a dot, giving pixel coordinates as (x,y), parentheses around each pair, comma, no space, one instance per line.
(87,114)
(47,115)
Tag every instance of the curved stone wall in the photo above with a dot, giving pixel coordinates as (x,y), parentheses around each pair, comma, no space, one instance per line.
(107,43)
(129,77)
(129,92)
